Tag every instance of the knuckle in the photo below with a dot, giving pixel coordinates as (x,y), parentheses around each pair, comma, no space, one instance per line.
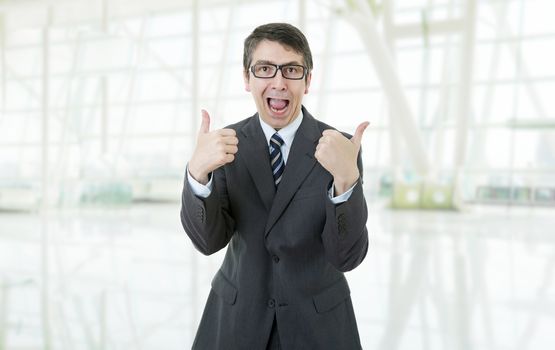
(233,141)
(230,132)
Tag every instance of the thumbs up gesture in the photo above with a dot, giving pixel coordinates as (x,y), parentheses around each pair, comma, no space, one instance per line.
(338,155)
(213,149)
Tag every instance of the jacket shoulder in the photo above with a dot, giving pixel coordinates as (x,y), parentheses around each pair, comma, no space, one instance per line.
(240,124)
(323,126)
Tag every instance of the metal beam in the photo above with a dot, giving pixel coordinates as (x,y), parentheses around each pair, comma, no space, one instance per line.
(195,116)
(394,136)
(60,171)
(505,28)
(222,71)
(130,103)
(105,9)
(2,64)
(480,135)
(4,309)
(45,104)
(417,30)
(325,65)
(44,257)
(362,19)
(104,115)
(302,15)
(104,84)
(464,99)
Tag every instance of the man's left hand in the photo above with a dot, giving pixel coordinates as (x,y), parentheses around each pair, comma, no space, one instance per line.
(338,155)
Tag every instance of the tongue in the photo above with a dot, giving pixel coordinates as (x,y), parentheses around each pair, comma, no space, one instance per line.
(278,104)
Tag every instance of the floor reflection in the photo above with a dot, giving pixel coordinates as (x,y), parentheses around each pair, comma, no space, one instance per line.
(130,279)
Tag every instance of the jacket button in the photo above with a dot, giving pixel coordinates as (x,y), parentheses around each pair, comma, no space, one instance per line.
(271,303)
(275,258)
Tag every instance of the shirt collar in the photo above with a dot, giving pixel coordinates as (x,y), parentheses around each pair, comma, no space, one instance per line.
(287,133)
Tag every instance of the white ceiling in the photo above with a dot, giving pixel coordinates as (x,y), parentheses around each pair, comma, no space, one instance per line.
(34,13)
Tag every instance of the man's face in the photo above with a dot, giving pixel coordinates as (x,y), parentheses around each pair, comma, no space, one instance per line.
(278,100)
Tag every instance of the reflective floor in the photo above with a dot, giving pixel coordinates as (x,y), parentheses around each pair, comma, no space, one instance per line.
(130,279)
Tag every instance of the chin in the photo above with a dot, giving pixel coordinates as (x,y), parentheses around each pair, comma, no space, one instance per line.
(280,122)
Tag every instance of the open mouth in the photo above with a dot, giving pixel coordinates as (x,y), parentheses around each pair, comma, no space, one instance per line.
(277,105)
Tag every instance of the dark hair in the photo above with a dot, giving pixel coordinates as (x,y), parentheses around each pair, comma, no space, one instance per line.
(285,34)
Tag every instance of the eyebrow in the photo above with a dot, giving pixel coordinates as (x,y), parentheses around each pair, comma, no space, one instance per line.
(283,64)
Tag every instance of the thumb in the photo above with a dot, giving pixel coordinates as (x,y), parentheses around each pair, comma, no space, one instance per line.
(357,137)
(205,125)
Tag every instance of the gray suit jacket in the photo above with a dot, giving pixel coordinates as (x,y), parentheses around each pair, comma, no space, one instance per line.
(287,249)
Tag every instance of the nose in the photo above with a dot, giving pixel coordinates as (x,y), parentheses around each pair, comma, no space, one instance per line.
(279,82)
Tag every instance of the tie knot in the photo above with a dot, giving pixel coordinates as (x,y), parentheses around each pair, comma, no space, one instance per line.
(276,141)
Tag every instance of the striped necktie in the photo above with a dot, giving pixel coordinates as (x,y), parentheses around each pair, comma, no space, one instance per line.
(276,158)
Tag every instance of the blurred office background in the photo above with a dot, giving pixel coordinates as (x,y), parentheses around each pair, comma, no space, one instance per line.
(99,109)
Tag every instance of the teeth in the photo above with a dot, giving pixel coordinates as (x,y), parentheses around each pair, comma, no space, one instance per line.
(276,110)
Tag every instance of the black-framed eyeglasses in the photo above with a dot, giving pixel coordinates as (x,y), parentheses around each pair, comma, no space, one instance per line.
(288,71)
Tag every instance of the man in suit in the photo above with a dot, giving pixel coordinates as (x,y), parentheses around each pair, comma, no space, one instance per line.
(284,192)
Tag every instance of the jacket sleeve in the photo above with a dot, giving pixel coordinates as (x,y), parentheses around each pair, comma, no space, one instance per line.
(345,236)
(207,221)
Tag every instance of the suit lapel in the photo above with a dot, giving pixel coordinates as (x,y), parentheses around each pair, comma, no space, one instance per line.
(252,143)
(299,164)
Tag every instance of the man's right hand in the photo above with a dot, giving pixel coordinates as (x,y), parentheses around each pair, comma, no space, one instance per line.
(213,149)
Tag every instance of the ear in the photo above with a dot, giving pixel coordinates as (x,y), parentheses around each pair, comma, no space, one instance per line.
(246,80)
(308,79)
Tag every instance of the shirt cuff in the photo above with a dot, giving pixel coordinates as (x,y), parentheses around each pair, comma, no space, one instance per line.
(200,190)
(341,198)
